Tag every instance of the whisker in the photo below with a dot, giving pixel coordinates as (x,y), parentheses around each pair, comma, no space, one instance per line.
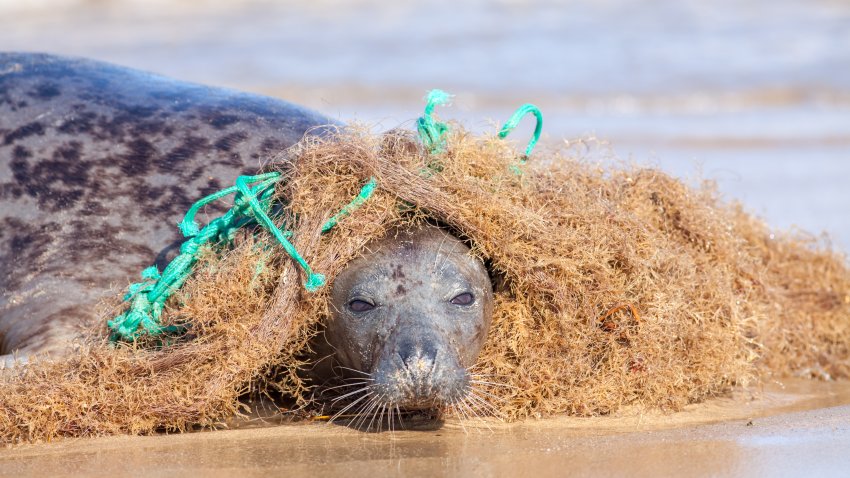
(373,403)
(462,416)
(325,389)
(348,407)
(400,420)
(379,413)
(483,408)
(385,412)
(480,395)
(476,412)
(356,371)
(357,414)
(494,397)
(494,384)
(359,390)
(437,254)
(470,412)
(372,411)
(375,415)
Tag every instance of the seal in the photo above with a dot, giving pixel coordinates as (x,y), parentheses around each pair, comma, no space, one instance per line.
(98,162)
(408,319)
(97,165)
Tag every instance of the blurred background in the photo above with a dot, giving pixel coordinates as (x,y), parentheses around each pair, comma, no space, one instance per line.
(752,93)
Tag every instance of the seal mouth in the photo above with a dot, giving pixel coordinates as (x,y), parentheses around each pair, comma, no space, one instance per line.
(421,387)
(373,402)
(419,374)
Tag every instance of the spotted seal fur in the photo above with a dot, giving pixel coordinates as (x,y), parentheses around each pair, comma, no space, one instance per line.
(97,165)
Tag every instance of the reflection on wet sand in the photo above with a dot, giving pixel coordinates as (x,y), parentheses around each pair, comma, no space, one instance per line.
(798,427)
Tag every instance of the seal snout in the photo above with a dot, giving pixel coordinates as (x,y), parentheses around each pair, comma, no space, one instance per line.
(419,374)
(417,357)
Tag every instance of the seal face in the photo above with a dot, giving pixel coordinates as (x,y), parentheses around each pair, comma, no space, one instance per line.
(412,313)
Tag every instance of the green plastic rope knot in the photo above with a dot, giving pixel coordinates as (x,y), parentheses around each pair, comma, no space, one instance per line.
(250,205)
(433,132)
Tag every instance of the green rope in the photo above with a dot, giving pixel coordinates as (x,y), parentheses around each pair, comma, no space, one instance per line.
(147,298)
(512,123)
(314,280)
(261,266)
(433,132)
(253,204)
(364,194)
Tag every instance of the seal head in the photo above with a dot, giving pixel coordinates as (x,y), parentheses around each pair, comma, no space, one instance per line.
(413,313)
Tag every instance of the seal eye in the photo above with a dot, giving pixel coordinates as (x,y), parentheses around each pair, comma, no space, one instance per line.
(358,305)
(463,299)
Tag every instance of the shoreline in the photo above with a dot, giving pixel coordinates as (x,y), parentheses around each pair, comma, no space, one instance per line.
(797,423)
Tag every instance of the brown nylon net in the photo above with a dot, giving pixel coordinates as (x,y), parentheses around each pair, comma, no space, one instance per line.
(614,286)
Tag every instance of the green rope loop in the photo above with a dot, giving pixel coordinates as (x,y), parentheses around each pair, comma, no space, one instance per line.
(251,204)
(512,123)
(433,132)
(149,296)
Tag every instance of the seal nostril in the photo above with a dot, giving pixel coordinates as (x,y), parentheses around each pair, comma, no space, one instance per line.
(429,351)
(415,355)
(407,351)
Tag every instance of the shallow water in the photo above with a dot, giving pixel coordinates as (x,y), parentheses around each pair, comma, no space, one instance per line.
(795,428)
(754,93)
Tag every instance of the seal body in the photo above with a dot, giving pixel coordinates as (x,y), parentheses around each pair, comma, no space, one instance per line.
(409,318)
(98,163)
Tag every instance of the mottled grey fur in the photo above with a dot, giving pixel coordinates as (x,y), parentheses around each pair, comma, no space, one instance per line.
(98,163)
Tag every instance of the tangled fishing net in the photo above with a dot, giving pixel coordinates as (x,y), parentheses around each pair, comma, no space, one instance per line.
(614,286)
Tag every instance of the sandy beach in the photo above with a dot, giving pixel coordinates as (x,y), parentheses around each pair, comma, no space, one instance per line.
(792,428)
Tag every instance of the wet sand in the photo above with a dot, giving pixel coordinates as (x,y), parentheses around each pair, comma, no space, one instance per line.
(794,428)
